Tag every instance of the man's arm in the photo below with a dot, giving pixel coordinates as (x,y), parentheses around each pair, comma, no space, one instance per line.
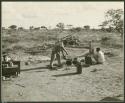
(84,54)
(89,51)
(63,49)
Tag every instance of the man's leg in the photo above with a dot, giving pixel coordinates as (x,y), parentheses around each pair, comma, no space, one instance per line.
(52,59)
(95,58)
(64,57)
(58,59)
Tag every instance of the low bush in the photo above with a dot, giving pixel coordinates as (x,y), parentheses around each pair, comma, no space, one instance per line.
(111,42)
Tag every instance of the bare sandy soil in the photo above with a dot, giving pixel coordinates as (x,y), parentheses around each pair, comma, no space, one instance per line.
(37,83)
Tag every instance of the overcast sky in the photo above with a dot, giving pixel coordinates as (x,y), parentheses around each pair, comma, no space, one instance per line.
(50,13)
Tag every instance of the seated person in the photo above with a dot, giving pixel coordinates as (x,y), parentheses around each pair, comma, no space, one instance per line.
(6,58)
(92,57)
(99,56)
(89,57)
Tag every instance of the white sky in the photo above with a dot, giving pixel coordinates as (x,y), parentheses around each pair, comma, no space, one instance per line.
(50,13)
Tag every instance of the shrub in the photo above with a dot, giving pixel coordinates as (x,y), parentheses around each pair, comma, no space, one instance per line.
(10,40)
(111,42)
(105,39)
(13,27)
(86,27)
(77,29)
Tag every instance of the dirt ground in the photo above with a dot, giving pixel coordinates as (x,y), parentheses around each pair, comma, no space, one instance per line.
(37,83)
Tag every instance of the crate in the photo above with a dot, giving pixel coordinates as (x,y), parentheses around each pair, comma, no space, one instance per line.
(11,70)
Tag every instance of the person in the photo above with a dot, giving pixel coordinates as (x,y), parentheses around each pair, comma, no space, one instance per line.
(89,60)
(78,65)
(99,56)
(56,51)
(90,51)
(6,58)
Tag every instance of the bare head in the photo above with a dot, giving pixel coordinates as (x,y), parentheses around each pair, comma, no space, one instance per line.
(92,51)
(75,59)
(98,49)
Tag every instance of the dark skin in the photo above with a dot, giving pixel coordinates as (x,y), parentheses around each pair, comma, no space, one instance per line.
(59,47)
(78,65)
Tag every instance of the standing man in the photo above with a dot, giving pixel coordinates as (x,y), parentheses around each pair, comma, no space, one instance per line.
(58,47)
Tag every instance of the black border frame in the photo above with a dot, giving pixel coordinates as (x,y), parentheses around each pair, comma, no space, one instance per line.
(54,1)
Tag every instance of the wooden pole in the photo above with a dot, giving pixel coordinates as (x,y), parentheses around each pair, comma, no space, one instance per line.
(90,47)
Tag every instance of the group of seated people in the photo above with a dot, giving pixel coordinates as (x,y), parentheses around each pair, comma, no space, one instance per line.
(94,57)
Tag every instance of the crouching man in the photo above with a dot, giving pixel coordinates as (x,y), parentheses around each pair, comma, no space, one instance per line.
(77,65)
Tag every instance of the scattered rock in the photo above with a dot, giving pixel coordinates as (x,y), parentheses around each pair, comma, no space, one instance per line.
(94,70)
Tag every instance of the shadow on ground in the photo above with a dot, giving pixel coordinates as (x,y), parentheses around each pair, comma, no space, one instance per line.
(110,99)
(68,74)
(35,68)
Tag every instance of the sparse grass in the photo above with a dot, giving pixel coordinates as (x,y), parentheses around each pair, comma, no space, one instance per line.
(10,39)
(22,40)
(112,42)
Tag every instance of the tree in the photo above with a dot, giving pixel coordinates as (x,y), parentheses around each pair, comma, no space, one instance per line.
(37,28)
(60,26)
(114,19)
(13,27)
(31,27)
(43,27)
(78,29)
(103,25)
(87,27)
(69,26)
(20,28)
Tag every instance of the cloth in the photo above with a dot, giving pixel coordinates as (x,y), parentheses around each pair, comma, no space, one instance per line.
(58,47)
(100,57)
(56,53)
(88,60)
